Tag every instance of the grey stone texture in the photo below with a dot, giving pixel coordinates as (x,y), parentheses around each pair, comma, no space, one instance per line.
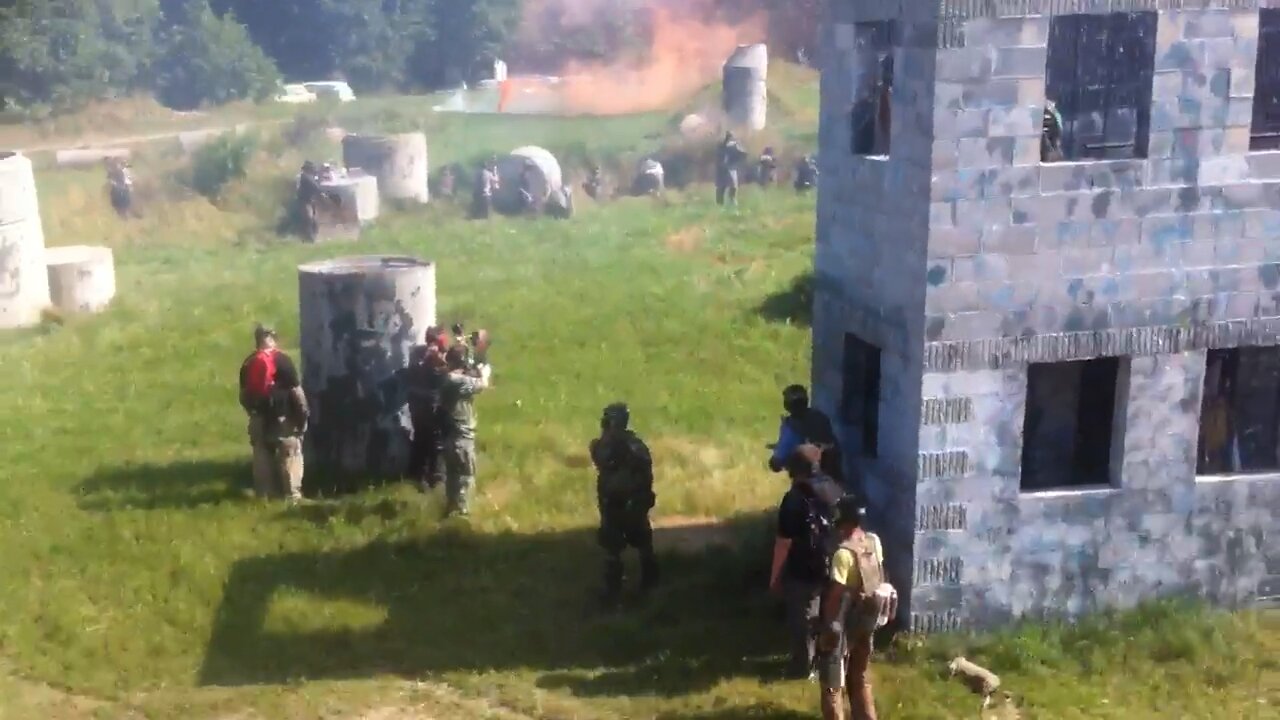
(964,258)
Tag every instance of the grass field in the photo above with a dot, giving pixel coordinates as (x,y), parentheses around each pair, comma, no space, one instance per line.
(138,580)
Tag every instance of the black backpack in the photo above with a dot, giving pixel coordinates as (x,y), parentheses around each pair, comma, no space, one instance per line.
(815,547)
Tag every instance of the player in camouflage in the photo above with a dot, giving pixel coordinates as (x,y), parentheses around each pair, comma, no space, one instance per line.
(461,385)
(624,493)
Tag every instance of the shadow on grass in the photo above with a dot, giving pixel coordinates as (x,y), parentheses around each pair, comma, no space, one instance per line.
(459,601)
(187,484)
(793,306)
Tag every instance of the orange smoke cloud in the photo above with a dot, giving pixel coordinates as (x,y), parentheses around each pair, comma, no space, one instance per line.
(685,55)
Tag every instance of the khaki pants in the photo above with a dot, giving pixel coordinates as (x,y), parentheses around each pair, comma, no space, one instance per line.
(277,460)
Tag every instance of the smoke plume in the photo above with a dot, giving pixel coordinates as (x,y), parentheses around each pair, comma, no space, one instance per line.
(687,44)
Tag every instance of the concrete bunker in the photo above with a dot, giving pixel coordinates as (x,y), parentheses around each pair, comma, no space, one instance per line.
(82,278)
(532,165)
(359,318)
(399,162)
(24,280)
(357,191)
(745,88)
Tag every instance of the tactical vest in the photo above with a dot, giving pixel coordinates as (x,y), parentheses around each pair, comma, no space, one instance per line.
(865,606)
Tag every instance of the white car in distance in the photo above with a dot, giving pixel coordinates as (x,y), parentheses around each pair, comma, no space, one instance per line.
(331,90)
(295,94)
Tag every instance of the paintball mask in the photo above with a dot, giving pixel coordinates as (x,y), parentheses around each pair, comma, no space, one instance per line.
(615,417)
(795,399)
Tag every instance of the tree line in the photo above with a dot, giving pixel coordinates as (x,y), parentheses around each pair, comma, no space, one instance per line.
(58,55)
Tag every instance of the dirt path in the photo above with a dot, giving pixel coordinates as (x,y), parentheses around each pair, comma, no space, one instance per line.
(122,140)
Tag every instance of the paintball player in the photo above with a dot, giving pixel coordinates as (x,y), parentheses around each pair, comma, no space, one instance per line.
(528,204)
(1051,134)
(426,374)
(651,178)
(448,182)
(624,494)
(767,168)
(271,394)
(487,183)
(120,185)
(728,156)
(560,204)
(461,384)
(799,568)
(806,425)
(594,186)
(308,189)
(806,173)
(856,602)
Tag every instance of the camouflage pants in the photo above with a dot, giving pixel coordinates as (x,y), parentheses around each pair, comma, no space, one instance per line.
(460,472)
(277,459)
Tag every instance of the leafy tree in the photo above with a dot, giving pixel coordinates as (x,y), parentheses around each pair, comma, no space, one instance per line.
(67,52)
(465,32)
(366,42)
(208,59)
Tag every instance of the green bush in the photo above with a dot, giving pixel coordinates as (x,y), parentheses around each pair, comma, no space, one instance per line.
(220,162)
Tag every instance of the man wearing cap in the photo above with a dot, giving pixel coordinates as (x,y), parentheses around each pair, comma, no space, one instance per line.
(271,394)
(857,602)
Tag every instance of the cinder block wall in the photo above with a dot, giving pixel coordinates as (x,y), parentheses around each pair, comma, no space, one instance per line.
(1152,259)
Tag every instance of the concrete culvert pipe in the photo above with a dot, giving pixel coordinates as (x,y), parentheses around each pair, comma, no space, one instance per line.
(24,280)
(359,318)
(746,88)
(545,176)
(82,278)
(398,161)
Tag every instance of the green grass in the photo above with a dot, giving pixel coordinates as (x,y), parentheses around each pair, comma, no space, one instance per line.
(138,580)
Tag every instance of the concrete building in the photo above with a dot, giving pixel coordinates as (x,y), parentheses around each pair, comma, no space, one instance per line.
(1057,369)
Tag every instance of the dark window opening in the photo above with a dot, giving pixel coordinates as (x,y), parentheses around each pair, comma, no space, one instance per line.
(1071,425)
(1098,83)
(1265,133)
(1239,414)
(873,87)
(860,399)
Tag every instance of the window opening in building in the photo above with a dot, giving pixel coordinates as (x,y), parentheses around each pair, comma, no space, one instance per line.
(1071,425)
(1240,412)
(1265,133)
(860,400)
(873,87)
(1098,86)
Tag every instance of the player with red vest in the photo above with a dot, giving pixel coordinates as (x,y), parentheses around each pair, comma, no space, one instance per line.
(271,394)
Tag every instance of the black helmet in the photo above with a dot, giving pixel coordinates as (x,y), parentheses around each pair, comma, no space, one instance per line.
(795,398)
(616,415)
(850,509)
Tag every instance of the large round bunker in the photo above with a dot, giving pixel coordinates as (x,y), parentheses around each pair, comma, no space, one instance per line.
(359,318)
(541,167)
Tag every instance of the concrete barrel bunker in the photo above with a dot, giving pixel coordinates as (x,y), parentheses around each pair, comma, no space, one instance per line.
(24,280)
(82,278)
(359,318)
(746,88)
(544,171)
(398,161)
